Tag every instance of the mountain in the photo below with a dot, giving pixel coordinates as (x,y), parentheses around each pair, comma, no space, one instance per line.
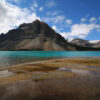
(80,42)
(97,44)
(94,41)
(85,43)
(40,37)
(33,36)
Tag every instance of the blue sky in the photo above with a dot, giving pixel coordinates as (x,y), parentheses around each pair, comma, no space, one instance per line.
(70,18)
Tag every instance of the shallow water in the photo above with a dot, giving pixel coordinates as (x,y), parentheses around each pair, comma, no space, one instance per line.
(8,58)
(6,73)
(80,71)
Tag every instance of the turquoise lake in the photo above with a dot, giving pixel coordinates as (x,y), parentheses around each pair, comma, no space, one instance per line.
(8,58)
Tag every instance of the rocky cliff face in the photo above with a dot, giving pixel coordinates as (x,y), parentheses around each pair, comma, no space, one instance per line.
(33,36)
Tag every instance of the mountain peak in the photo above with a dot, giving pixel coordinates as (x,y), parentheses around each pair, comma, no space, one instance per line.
(36,21)
(33,36)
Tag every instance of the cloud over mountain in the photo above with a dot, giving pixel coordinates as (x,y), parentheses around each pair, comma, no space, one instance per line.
(58,14)
(11,16)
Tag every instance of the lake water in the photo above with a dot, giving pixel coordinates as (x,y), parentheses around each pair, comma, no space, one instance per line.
(8,58)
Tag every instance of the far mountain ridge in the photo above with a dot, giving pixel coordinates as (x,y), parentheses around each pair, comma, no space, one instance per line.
(85,43)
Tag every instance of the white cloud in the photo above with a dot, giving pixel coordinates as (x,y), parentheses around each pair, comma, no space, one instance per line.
(35,5)
(50,4)
(99,18)
(66,35)
(97,28)
(41,9)
(87,15)
(68,21)
(33,9)
(15,1)
(83,19)
(79,30)
(12,16)
(54,27)
(94,41)
(53,13)
(54,20)
(92,19)
(59,19)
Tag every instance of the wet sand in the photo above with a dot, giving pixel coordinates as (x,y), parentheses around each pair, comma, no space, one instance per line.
(57,79)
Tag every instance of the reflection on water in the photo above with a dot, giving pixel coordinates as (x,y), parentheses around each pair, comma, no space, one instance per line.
(81,72)
(6,73)
(85,66)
